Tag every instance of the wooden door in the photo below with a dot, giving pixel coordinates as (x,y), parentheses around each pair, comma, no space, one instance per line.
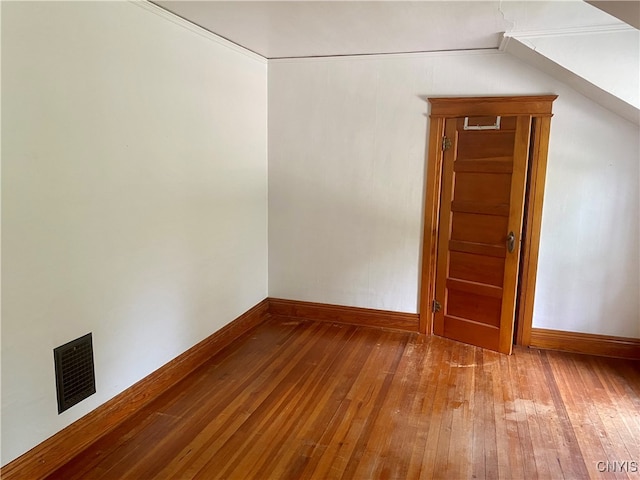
(481,211)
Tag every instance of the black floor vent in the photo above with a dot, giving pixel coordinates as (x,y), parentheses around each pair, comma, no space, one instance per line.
(75,376)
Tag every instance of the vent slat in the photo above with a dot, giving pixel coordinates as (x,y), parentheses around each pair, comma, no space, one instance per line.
(75,373)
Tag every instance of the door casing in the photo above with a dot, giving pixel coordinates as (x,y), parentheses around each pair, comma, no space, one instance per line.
(539,108)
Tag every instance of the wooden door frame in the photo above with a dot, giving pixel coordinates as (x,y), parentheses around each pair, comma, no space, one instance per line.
(540,109)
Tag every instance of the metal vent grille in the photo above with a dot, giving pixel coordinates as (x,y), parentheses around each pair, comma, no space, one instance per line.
(75,376)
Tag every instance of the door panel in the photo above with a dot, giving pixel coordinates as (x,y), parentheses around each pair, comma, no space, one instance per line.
(471,207)
(477,248)
(479,228)
(476,268)
(481,308)
(480,335)
(488,188)
(482,200)
(474,144)
(493,165)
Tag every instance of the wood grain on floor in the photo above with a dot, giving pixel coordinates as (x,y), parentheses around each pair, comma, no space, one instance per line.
(301,400)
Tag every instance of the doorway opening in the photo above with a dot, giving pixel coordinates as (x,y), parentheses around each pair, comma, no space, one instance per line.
(482,217)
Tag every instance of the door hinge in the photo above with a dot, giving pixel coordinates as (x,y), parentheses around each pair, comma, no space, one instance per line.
(446,143)
(435,306)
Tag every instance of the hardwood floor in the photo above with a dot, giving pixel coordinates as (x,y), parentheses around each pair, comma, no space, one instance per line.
(299,400)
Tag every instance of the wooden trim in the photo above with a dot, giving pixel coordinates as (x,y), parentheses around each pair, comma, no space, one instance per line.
(365,317)
(433,180)
(56,451)
(587,343)
(533,221)
(536,105)
(444,225)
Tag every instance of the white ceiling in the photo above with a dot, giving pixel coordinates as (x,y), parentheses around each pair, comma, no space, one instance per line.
(276,29)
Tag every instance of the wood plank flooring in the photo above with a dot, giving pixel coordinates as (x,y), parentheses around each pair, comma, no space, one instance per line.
(301,400)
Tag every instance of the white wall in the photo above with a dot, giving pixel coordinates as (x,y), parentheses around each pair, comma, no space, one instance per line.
(134,197)
(347,140)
